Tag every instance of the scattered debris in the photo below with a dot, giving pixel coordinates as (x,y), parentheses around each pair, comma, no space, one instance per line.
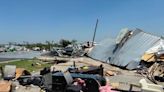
(156,72)
(21,72)
(30,88)
(88,70)
(138,54)
(110,73)
(146,87)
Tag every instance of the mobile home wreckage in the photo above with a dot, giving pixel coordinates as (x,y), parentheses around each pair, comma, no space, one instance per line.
(72,71)
(129,48)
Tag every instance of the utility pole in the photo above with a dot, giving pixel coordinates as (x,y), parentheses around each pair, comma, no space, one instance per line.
(95,32)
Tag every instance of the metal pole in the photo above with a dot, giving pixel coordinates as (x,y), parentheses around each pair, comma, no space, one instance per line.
(94,33)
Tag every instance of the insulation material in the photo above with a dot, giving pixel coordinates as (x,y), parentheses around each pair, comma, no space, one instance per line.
(151,57)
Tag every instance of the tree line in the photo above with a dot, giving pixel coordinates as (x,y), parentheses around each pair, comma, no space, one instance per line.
(48,45)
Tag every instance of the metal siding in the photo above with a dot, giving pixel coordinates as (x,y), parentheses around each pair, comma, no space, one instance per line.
(129,54)
(133,49)
(103,50)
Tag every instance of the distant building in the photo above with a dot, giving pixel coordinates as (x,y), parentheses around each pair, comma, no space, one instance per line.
(2,49)
(36,49)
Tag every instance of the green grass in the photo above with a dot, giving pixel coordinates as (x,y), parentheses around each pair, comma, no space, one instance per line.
(27,64)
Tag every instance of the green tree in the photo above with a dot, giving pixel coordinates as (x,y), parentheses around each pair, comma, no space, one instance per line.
(73,41)
(64,43)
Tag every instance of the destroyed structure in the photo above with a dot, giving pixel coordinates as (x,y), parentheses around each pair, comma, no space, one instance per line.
(128,49)
(132,62)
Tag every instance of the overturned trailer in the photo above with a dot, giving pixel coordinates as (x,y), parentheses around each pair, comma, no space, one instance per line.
(126,50)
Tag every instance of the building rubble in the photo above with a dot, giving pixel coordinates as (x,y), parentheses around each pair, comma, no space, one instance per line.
(132,62)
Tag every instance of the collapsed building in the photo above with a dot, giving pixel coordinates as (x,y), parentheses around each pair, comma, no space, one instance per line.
(129,48)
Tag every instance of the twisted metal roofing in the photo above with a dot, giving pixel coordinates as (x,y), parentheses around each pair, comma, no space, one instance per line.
(129,54)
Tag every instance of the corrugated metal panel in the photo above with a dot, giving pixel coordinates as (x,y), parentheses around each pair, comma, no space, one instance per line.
(103,50)
(130,53)
(121,35)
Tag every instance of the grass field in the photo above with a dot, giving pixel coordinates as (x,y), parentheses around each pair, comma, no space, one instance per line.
(30,65)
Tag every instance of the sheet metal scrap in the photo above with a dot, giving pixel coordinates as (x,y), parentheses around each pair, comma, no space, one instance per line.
(103,50)
(128,52)
(129,55)
(9,72)
(156,53)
